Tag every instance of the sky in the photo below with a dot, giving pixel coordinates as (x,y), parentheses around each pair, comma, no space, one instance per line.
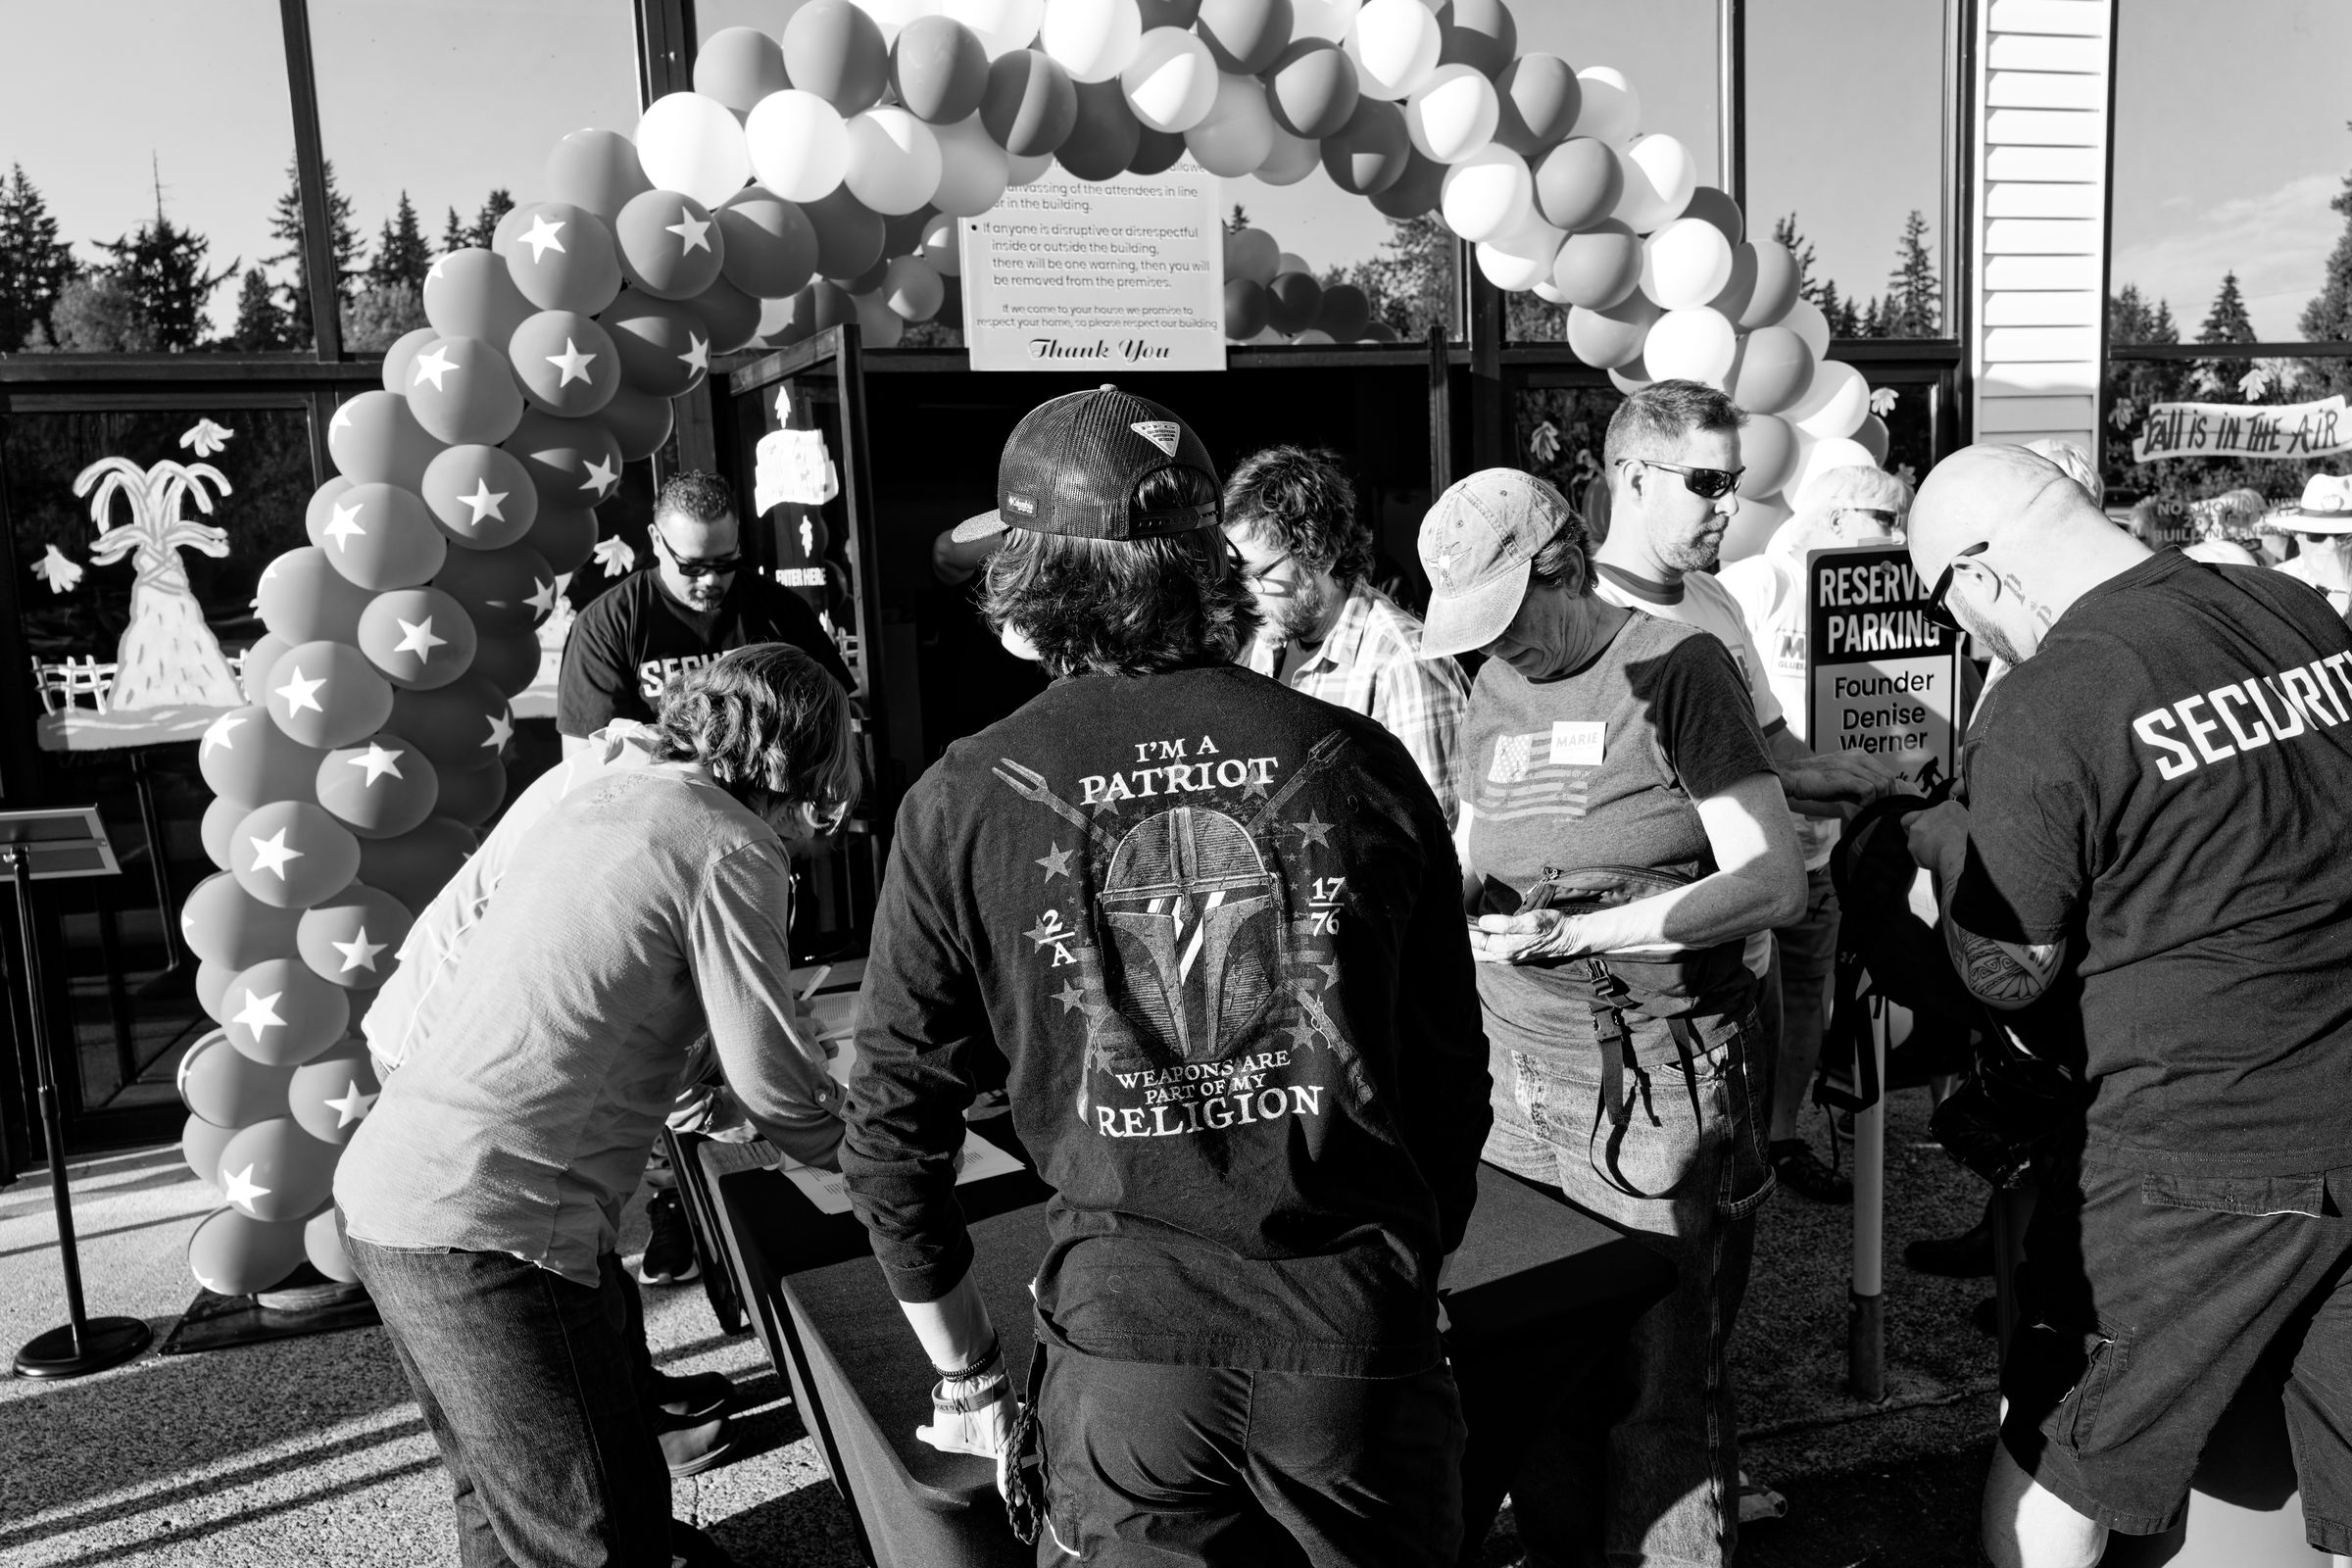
(2232,120)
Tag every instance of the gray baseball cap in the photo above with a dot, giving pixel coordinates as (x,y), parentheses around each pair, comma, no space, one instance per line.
(1478,544)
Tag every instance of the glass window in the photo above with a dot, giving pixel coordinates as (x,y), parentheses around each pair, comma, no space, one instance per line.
(149,143)
(438,115)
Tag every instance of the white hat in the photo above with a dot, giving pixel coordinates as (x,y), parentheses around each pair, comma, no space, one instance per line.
(2326,505)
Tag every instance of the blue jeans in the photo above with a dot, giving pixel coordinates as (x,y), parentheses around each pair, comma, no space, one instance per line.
(1641,1466)
(529,1384)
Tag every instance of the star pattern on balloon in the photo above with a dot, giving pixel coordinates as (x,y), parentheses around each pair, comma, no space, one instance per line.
(484,502)
(501,731)
(543,237)
(359,952)
(353,1106)
(439,269)
(259,1014)
(573,363)
(344,525)
(271,855)
(603,474)
(543,595)
(691,232)
(417,637)
(240,1188)
(431,365)
(698,354)
(301,692)
(219,733)
(378,759)
(341,419)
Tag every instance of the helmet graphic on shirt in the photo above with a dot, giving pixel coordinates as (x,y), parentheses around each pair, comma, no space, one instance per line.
(1195,944)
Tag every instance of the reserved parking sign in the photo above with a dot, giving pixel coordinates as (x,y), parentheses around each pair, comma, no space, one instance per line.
(1881,676)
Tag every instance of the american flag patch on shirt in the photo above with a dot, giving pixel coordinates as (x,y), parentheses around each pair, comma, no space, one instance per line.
(1523,781)
(1513,754)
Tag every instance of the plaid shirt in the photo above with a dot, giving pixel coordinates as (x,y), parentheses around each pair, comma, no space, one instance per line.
(1370,661)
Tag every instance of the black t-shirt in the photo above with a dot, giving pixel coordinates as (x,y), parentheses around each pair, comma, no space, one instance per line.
(2163,785)
(632,638)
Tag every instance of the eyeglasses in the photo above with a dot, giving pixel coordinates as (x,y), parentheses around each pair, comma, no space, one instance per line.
(1882,517)
(1708,484)
(1937,610)
(1262,578)
(708,566)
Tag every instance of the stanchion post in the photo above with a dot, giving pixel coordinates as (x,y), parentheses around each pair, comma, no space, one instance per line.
(1865,1307)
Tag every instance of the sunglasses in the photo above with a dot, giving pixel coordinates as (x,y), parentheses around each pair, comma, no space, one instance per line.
(1708,484)
(1937,610)
(711,567)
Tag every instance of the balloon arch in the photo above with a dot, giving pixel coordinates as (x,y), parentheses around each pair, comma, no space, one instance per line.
(810,179)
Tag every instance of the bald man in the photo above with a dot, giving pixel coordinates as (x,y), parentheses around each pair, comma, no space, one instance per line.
(2156,815)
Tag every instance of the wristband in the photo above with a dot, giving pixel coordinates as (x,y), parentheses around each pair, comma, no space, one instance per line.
(975,1388)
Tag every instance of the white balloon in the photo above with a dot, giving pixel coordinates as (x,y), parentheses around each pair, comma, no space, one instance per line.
(942,246)
(878,325)
(1291,262)
(1237,134)
(1452,115)
(892,15)
(1611,109)
(1520,260)
(1805,320)
(1093,41)
(1019,170)
(1002,25)
(1395,44)
(1292,159)
(1623,380)
(1832,452)
(694,145)
(1328,19)
(1834,405)
(971,168)
(800,146)
(1171,85)
(912,288)
(1548,292)
(1687,262)
(1488,193)
(1659,176)
(1691,344)
(895,161)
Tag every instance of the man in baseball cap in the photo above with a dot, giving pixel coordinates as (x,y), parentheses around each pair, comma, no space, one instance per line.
(1214,928)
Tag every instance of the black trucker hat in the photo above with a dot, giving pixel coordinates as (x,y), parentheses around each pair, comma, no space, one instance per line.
(1072,465)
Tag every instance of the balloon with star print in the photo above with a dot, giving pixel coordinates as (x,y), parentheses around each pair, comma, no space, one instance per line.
(323,1243)
(470,293)
(201,1143)
(503,590)
(374,439)
(282,1014)
(232,1254)
(481,495)
(212,983)
(640,422)
(665,346)
(459,725)
(566,362)
(320,510)
(302,598)
(380,788)
(230,1089)
(219,821)
(564,535)
(596,169)
(381,536)
(508,660)
(275,1170)
(222,924)
(564,259)
(417,637)
(574,463)
(771,246)
(413,866)
(349,940)
(472,795)
(246,758)
(670,246)
(291,853)
(729,314)
(325,694)
(462,391)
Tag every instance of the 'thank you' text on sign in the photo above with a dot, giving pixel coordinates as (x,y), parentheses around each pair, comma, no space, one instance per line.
(1067,274)
(2244,430)
(1882,676)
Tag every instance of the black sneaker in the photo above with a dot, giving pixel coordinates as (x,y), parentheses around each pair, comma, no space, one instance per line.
(1965,1256)
(670,1255)
(1802,1172)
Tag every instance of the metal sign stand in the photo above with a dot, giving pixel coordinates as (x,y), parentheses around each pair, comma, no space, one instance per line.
(1866,1300)
(45,846)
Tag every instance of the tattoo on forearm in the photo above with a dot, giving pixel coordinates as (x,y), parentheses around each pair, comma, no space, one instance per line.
(1999,973)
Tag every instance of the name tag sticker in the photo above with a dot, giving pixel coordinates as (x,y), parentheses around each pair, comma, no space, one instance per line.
(1578,744)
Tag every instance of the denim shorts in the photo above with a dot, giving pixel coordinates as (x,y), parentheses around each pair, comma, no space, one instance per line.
(2147,1303)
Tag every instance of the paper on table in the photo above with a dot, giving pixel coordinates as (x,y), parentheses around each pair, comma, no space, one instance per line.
(978,1160)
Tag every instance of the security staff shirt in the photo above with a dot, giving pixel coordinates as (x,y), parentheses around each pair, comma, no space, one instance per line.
(635,638)
(2164,786)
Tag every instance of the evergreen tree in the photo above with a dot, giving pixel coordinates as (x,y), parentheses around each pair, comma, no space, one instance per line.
(1412,283)
(1786,233)
(497,205)
(1875,316)
(1238,221)
(2130,387)
(261,320)
(1914,291)
(401,256)
(96,314)
(285,226)
(453,234)
(34,264)
(379,314)
(2327,319)
(2226,322)
(161,268)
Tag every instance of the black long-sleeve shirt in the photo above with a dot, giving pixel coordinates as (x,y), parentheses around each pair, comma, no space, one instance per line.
(1214,927)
